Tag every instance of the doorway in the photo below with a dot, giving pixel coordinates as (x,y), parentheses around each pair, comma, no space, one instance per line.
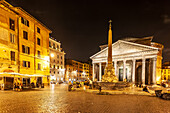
(139,75)
(120,74)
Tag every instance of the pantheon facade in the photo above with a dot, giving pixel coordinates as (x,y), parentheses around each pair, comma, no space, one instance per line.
(136,60)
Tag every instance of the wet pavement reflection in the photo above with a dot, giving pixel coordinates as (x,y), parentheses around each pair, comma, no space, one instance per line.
(56,98)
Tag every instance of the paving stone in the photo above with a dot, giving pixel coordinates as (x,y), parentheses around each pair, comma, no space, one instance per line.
(60,100)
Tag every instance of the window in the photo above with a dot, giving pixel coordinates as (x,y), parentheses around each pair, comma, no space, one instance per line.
(61,62)
(39,66)
(25,35)
(61,57)
(54,60)
(25,49)
(54,72)
(49,44)
(12,24)
(57,67)
(168,71)
(54,45)
(38,29)
(57,47)
(12,38)
(61,67)
(58,73)
(12,56)
(58,62)
(39,54)
(24,21)
(38,41)
(57,56)
(26,64)
(53,66)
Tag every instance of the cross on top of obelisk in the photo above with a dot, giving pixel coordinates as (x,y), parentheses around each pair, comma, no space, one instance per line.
(110,25)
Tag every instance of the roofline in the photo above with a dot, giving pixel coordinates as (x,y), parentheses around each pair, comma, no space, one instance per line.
(54,40)
(32,17)
(13,9)
(124,42)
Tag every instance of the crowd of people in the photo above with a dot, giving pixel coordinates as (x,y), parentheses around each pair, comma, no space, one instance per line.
(78,84)
(17,86)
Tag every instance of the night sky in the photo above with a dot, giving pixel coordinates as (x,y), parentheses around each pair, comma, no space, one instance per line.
(81,25)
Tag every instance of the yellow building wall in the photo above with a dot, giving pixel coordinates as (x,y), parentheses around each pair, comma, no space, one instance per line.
(165,74)
(5,45)
(158,69)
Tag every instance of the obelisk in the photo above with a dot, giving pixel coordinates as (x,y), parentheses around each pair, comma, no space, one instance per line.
(109,73)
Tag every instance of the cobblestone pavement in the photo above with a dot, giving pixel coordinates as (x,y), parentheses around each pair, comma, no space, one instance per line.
(58,99)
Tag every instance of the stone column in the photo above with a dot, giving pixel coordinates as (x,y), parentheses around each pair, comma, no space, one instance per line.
(100,71)
(124,69)
(133,74)
(143,71)
(154,71)
(115,66)
(93,71)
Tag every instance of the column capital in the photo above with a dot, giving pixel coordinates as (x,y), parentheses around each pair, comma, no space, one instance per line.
(154,59)
(115,60)
(133,59)
(143,60)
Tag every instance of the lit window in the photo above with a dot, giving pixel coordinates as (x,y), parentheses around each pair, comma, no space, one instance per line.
(12,24)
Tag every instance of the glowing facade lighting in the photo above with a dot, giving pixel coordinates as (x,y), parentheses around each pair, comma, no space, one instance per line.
(52,55)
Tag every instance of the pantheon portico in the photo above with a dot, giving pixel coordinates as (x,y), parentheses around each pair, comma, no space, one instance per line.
(136,60)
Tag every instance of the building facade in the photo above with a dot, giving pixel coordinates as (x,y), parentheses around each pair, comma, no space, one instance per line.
(136,60)
(57,60)
(166,71)
(76,70)
(24,46)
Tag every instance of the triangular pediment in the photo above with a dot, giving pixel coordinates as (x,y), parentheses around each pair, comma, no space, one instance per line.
(124,47)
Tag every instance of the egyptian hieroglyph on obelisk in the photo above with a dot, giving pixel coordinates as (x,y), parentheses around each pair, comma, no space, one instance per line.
(109,74)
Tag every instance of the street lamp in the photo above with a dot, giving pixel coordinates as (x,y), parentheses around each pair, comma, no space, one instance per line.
(52,55)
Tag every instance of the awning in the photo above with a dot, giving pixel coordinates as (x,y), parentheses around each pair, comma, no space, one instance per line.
(12,74)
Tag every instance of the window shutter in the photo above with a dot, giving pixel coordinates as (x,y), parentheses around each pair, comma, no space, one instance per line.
(28,50)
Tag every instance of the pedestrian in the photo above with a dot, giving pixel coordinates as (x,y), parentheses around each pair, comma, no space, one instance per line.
(14,86)
(69,86)
(145,89)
